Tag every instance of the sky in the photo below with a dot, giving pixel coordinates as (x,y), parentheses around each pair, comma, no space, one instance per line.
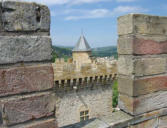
(97,18)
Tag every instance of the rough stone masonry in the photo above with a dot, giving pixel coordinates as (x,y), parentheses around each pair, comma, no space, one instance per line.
(26,73)
(142,69)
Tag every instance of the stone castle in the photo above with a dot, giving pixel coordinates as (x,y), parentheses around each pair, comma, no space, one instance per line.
(34,93)
(83,84)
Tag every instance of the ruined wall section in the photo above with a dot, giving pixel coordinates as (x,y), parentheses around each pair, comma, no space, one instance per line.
(142,69)
(26,74)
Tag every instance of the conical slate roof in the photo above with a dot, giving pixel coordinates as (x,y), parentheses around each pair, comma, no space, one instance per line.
(82,45)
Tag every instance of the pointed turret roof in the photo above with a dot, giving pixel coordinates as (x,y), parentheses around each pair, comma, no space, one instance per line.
(82,45)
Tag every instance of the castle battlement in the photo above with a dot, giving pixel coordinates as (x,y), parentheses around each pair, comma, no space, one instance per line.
(68,70)
(85,82)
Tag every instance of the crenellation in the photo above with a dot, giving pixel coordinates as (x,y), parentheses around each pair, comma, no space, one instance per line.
(83,82)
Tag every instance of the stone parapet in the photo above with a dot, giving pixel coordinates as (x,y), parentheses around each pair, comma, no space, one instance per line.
(142,24)
(24,17)
(26,73)
(142,68)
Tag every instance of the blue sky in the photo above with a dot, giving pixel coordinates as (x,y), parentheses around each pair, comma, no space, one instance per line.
(97,18)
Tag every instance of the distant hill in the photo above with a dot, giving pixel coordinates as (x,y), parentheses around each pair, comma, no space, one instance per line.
(105,51)
(66,52)
(61,52)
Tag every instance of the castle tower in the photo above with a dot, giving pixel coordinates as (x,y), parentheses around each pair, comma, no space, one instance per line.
(81,52)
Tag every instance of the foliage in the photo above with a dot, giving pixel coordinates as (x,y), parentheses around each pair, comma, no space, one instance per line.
(105,51)
(115,94)
(66,52)
(61,52)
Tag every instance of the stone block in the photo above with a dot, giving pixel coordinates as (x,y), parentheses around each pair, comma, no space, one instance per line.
(45,124)
(144,103)
(128,65)
(146,124)
(17,110)
(142,45)
(26,79)
(140,86)
(49,123)
(24,49)
(142,24)
(163,122)
(24,16)
(125,65)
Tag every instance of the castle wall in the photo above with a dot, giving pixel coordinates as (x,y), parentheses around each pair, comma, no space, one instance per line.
(26,74)
(97,101)
(87,85)
(68,70)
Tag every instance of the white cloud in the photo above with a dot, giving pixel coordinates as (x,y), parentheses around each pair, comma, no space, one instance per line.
(126,0)
(77,14)
(70,2)
(128,9)
(90,14)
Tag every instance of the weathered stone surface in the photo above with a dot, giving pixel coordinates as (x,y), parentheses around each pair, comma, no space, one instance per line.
(126,85)
(150,66)
(24,49)
(24,16)
(97,101)
(163,122)
(140,45)
(147,124)
(125,45)
(117,119)
(125,65)
(26,79)
(128,65)
(27,108)
(136,87)
(142,24)
(50,123)
(114,120)
(144,103)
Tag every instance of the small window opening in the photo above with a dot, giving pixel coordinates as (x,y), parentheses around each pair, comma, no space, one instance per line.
(86,79)
(84,115)
(80,80)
